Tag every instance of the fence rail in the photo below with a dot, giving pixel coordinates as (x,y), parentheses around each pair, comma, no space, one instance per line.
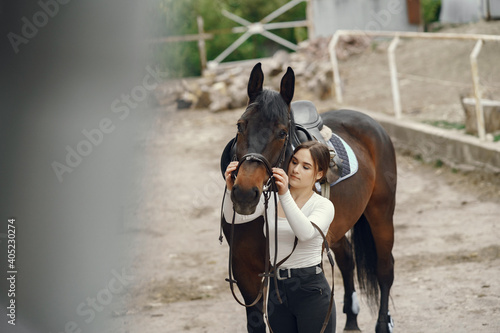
(247,28)
(479,38)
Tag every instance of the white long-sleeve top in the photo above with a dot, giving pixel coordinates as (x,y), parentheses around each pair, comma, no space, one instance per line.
(296,224)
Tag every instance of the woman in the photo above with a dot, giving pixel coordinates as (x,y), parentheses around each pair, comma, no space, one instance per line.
(302,285)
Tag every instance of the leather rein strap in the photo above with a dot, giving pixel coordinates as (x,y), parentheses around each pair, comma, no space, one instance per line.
(332,263)
(269,188)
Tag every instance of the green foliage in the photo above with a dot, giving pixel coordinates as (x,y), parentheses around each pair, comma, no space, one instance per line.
(445,124)
(430,11)
(179,17)
(438,163)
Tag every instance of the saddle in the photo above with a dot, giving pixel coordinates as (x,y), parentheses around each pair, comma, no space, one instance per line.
(308,123)
(309,127)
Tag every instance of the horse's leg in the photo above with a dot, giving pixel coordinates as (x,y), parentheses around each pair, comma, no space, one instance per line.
(384,240)
(255,319)
(350,198)
(379,217)
(249,285)
(345,262)
(248,257)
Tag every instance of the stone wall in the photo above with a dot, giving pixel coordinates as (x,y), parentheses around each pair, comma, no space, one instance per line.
(225,87)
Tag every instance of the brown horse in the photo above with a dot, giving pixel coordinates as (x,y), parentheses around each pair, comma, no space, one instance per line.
(364,202)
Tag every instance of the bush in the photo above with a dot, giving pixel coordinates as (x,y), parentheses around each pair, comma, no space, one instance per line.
(174,18)
(430,11)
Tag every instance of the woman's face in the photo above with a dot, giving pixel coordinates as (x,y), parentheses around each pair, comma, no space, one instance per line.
(302,170)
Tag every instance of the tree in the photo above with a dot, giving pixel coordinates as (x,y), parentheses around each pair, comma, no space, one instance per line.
(176,17)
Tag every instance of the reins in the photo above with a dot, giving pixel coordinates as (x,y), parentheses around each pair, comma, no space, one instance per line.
(332,263)
(268,188)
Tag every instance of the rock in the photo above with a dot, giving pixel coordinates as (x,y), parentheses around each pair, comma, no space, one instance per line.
(204,98)
(278,63)
(186,100)
(219,97)
(238,95)
(350,45)
(223,78)
(491,110)
(321,85)
(168,93)
(220,104)
(225,86)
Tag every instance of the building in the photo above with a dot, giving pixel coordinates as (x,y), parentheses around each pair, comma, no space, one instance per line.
(375,15)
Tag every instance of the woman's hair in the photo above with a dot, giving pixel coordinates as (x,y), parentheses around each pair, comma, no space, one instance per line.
(320,155)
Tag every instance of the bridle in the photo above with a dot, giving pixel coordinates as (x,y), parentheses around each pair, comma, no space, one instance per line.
(269,188)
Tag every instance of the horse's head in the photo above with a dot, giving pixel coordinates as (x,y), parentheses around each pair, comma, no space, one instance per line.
(264,129)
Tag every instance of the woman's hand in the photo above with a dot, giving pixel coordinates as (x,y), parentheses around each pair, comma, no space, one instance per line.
(229,173)
(281,179)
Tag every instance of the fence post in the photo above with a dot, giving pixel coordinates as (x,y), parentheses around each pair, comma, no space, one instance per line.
(477,90)
(311,33)
(394,77)
(335,66)
(201,44)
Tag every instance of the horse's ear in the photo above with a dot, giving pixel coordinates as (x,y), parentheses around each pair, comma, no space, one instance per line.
(287,87)
(255,83)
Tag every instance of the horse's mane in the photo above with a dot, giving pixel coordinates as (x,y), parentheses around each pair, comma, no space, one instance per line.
(271,106)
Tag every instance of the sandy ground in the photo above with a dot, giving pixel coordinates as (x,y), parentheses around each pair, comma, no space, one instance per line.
(446,250)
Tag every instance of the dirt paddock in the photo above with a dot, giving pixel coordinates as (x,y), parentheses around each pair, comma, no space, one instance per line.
(446,249)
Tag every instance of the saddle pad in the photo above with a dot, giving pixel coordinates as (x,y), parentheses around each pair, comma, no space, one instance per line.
(349,160)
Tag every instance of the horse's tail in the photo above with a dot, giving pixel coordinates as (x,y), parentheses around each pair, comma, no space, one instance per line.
(366,260)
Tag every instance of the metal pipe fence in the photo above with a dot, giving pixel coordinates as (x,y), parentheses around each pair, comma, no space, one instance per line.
(393,68)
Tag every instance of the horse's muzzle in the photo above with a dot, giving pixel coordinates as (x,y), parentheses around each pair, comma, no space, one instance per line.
(245,200)
(253,170)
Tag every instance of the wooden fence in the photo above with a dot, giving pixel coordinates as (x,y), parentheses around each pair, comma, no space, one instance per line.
(248,29)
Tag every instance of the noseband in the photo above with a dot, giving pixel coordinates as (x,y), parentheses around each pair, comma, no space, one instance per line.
(256,157)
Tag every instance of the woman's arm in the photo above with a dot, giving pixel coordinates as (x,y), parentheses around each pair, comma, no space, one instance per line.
(300,223)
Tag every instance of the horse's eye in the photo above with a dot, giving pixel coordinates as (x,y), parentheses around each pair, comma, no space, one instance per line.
(240,127)
(282,134)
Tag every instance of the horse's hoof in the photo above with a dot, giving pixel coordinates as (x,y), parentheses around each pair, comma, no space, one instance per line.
(385,327)
(351,324)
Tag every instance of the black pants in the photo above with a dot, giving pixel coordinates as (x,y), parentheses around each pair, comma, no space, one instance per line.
(306,298)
